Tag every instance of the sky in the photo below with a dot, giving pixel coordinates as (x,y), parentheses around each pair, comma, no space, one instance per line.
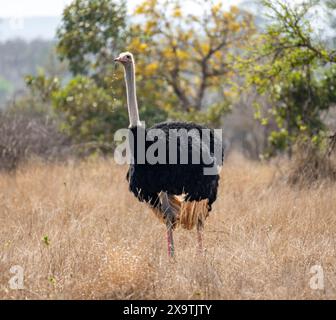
(29,8)
(18,17)
(31,19)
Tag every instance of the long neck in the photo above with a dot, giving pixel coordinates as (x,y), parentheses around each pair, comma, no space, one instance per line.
(132,104)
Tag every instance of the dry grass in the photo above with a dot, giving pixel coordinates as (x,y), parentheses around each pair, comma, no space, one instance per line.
(261,238)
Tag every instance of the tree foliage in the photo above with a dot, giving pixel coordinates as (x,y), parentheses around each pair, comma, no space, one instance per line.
(180,73)
(294,71)
(86,110)
(90,115)
(93,105)
(186,58)
(91,33)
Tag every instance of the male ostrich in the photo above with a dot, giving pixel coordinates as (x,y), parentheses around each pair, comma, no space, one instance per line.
(178,193)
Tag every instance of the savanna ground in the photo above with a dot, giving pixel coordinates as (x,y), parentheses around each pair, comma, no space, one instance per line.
(79,234)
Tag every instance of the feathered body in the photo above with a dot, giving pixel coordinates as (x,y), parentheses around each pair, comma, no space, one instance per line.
(184,180)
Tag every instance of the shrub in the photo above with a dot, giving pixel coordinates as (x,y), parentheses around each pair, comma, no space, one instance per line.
(313,163)
(23,135)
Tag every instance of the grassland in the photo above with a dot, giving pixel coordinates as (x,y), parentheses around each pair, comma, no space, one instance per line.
(79,234)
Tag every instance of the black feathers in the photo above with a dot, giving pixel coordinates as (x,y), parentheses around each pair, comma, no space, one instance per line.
(147,180)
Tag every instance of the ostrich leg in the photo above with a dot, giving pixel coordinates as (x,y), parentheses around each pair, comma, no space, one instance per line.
(170,217)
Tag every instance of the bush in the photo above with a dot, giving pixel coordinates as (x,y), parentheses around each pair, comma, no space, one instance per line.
(91,116)
(313,163)
(88,113)
(23,135)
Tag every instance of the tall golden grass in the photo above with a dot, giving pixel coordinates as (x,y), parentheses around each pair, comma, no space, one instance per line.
(79,234)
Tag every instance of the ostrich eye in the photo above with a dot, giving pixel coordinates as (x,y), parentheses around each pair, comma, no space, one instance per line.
(128,57)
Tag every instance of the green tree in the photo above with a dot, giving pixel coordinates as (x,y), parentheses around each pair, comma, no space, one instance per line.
(91,115)
(87,111)
(91,33)
(296,73)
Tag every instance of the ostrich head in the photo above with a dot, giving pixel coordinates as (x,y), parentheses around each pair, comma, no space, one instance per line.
(125,58)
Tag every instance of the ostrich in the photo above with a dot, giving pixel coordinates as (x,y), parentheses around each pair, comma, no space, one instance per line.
(178,193)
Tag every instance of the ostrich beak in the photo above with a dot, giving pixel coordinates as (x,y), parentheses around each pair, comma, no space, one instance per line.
(117,59)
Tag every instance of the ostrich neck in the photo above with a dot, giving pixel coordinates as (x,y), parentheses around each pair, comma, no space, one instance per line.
(132,104)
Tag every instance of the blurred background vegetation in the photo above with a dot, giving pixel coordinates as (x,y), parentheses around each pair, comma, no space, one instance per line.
(264,71)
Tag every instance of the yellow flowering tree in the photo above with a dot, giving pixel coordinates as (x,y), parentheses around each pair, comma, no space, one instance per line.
(186,59)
